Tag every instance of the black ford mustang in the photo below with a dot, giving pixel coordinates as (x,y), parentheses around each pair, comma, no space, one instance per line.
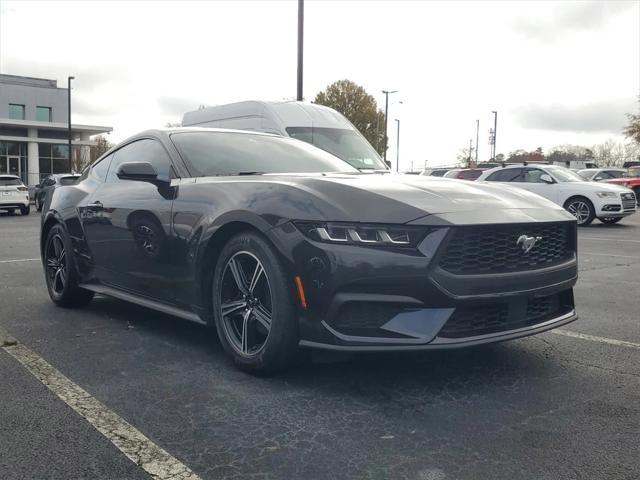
(280,245)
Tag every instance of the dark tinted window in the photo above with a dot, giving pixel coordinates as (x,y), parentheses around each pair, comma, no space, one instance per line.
(438,173)
(145,150)
(469,174)
(100,169)
(222,153)
(506,175)
(6,181)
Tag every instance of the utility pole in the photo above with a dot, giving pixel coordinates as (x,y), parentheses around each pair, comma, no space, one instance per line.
(300,47)
(470,151)
(477,138)
(398,147)
(386,118)
(69,114)
(495,132)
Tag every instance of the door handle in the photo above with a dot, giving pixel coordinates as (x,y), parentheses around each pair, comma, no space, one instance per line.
(96,204)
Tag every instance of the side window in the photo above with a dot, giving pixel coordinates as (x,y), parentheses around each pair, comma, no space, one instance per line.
(145,150)
(615,174)
(100,169)
(532,175)
(506,175)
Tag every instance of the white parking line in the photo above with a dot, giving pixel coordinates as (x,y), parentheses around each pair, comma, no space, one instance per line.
(609,239)
(139,449)
(20,260)
(630,257)
(593,338)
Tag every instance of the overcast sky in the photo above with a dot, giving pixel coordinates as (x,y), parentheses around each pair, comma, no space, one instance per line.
(557,72)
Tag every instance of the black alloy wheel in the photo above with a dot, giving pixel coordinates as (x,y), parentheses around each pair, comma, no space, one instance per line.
(60,272)
(252,305)
(246,304)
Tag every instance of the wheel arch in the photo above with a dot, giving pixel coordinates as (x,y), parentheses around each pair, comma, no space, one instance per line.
(211,254)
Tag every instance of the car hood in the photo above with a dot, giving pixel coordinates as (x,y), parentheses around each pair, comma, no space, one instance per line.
(597,187)
(404,198)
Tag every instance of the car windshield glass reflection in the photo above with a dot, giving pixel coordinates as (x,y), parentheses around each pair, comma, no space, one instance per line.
(228,153)
(563,175)
(345,144)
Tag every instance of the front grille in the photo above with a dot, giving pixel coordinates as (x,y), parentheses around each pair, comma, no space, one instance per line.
(483,320)
(628,201)
(495,248)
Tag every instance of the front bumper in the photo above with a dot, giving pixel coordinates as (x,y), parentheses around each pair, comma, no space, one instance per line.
(616,208)
(381,299)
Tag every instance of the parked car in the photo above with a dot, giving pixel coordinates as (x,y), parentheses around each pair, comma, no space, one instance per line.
(280,245)
(50,182)
(464,173)
(316,124)
(631,179)
(584,199)
(435,172)
(600,174)
(14,195)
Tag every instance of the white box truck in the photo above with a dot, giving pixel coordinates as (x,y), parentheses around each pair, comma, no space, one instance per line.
(316,124)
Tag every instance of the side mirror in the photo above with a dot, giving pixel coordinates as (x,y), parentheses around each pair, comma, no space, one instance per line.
(141,171)
(546,178)
(598,178)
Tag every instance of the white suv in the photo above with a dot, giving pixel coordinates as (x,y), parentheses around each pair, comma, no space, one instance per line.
(13,194)
(585,200)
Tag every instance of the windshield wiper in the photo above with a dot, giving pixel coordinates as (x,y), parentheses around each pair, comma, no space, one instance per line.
(247,173)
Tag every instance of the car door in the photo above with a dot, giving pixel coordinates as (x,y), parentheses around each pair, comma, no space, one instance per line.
(533,181)
(129,235)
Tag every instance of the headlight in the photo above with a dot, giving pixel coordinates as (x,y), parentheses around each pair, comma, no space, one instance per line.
(362,234)
(607,194)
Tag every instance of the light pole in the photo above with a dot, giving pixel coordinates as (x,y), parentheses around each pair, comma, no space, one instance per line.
(477,138)
(386,118)
(69,114)
(398,146)
(300,47)
(495,132)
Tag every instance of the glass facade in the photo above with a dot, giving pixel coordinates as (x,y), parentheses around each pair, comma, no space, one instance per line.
(16,112)
(13,158)
(43,114)
(53,158)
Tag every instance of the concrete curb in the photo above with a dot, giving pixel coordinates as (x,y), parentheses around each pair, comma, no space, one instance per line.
(6,340)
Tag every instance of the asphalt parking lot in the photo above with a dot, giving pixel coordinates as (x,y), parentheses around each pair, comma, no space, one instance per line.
(555,406)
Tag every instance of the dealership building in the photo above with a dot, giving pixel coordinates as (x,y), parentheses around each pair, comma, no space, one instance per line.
(34,129)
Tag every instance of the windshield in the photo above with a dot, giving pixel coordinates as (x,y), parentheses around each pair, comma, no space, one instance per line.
(563,175)
(346,144)
(229,153)
(633,172)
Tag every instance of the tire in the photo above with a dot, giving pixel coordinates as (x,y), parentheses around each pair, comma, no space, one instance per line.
(610,220)
(637,192)
(582,209)
(25,210)
(60,271)
(243,331)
